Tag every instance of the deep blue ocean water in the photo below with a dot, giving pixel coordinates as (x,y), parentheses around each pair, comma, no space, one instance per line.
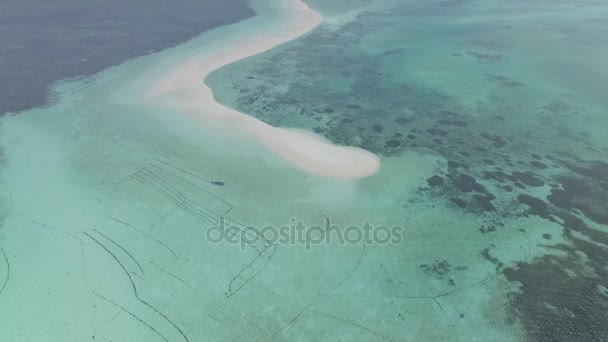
(45,41)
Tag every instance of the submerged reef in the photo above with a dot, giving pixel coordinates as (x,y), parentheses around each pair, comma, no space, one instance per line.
(516,152)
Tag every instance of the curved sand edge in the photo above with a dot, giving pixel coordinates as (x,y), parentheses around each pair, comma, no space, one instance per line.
(181,88)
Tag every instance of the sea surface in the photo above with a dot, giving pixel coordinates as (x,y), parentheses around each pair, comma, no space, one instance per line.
(489,119)
(44,42)
(512,95)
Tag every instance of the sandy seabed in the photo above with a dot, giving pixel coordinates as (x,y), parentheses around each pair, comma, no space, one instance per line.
(107,193)
(107,196)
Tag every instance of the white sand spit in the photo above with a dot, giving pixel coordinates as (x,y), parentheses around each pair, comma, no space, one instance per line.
(182,88)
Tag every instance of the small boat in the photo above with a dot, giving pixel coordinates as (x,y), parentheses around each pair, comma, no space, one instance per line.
(217,183)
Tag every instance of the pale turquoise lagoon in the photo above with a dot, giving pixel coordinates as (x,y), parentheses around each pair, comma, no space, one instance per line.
(487,220)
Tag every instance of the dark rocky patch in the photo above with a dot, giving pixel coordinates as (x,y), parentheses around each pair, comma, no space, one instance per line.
(596,170)
(393,143)
(582,195)
(560,198)
(487,229)
(485,253)
(452,164)
(403,121)
(535,205)
(538,165)
(459,202)
(436,132)
(435,181)
(498,176)
(438,268)
(467,183)
(558,300)
(574,309)
(377,128)
(528,178)
(484,202)
(496,140)
(519,185)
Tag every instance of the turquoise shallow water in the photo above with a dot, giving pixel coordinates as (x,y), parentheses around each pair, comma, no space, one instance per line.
(489,120)
(510,93)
